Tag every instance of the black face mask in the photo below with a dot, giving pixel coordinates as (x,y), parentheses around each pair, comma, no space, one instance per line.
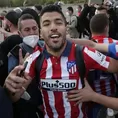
(7,28)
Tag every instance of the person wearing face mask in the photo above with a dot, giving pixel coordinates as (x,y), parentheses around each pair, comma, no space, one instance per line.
(29,31)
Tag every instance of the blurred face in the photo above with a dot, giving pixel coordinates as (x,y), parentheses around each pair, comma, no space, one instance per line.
(102,12)
(29,27)
(53,30)
(69,12)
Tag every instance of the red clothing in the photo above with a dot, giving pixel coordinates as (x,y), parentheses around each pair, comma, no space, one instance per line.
(59,74)
(79,13)
(104,39)
(105,86)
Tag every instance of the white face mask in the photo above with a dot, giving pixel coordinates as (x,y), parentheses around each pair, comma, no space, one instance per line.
(31,40)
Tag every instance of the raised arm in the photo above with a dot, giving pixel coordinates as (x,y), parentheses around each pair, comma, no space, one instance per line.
(85,42)
(87,94)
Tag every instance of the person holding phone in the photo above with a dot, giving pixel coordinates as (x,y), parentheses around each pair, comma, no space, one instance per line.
(59,68)
(28,29)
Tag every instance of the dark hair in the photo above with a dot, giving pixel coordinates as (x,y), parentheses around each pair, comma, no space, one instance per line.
(80,6)
(13,17)
(98,23)
(38,7)
(85,5)
(70,9)
(24,17)
(52,8)
(31,12)
(101,8)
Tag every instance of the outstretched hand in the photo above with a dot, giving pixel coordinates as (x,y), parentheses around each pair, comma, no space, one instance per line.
(13,82)
(82,95)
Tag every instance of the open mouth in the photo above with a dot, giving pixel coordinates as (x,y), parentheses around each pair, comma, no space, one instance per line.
(54,36)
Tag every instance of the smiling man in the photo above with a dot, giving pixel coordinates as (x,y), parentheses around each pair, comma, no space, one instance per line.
(59,70)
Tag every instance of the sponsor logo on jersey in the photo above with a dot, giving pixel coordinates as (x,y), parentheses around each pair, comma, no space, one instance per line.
(71,67)
(58,85)
(101,56)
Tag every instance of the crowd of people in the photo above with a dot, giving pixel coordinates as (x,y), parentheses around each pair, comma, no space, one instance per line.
(54,66)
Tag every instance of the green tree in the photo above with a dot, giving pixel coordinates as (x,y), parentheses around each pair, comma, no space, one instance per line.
(17,2)
(4,3)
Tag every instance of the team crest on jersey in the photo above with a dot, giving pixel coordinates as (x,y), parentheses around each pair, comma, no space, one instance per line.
(71,67)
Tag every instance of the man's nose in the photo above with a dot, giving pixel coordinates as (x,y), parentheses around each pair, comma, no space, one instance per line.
(53,27)
(32,32)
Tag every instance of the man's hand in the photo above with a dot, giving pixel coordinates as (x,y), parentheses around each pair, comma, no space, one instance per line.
(83,95)
(21,59)
(15,84)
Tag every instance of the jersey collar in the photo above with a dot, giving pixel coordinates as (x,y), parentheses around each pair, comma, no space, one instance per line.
(99,37)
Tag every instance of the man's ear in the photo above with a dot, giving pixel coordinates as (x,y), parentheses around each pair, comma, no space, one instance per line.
(19,32)
(41,34)
(107,28)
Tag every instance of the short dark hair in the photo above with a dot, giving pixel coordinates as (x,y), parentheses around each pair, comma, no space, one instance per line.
(24,17)
(38,7)
(31,12)
(98,23)
(80,6)
(101,8)
(70,9)
(52,8)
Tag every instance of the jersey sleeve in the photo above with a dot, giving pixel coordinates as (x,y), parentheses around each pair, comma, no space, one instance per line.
(95,60)
(113,50)
(31,63)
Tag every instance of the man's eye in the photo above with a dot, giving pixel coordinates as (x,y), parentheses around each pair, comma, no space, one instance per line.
(46,24)
(59,23)
(27,30)
(34,28)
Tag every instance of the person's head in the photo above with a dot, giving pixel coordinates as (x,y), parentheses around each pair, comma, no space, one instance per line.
(99,25)
(31,12)
(85,5)
(38,8)
(11,20)
(79,8)
(3,13)
(70,10)
(101,10)
(108,4)
(53,27)
(27,25)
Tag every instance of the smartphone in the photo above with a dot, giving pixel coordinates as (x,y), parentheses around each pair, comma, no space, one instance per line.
(20,74)
(22,71)
(15,51)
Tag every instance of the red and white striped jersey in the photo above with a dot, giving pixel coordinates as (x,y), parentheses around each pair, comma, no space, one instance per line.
(59,75)
(106,83)
(104,39)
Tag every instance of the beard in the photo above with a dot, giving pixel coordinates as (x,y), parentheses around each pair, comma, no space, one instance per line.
(56,48)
